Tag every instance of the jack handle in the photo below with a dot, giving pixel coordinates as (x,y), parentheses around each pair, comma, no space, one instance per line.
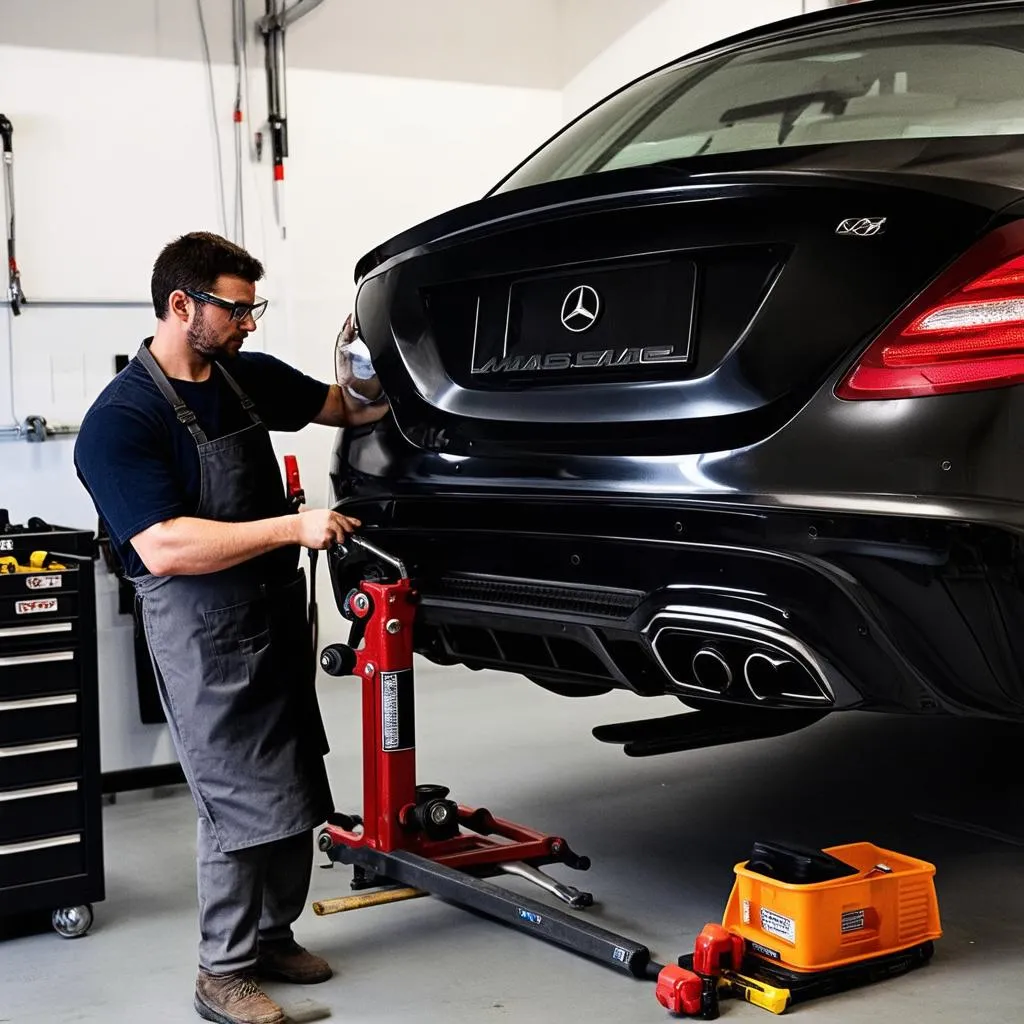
(341,551)
(378,553)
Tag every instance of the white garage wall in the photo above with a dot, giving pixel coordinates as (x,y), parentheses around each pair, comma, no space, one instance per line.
(115,155)
(674,29)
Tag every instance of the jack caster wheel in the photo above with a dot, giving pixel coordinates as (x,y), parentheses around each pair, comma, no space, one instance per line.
(72,922)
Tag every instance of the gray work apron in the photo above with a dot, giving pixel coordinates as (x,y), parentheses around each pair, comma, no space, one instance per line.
(232,653)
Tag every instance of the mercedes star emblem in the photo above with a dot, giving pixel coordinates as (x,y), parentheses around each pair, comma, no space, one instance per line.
(580,309)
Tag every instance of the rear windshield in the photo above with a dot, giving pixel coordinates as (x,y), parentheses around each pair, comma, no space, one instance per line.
(923,77)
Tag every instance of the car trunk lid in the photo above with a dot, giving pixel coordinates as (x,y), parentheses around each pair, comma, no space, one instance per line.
(661,321)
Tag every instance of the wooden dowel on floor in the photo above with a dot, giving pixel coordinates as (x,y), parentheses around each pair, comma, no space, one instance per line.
(359,901)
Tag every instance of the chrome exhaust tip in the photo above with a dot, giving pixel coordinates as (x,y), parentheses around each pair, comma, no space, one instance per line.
(711,670)
(770,676)
(708,651)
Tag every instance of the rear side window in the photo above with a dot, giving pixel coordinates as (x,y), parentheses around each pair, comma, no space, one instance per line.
(923,77)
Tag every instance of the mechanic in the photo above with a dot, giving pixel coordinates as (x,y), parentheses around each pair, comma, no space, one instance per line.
(177,457)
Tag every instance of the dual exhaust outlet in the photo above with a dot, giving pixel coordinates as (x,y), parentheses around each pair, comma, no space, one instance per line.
(768,676)
(737,655)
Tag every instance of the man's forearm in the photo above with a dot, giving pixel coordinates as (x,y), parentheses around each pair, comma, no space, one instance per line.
(187,546)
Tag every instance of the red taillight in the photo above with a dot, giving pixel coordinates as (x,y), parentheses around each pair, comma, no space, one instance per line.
(964,332)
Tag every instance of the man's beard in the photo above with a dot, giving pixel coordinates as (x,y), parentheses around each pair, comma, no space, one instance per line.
(202,340)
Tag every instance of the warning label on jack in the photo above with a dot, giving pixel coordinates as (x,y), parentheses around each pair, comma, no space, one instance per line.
(397,710)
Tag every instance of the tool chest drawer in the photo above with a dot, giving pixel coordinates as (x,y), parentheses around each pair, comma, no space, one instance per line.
(39,718)
(31,673)
(32,811)
(41,583)
(41,860)
(27,764)
(27,637)
(52,604)
(51,839)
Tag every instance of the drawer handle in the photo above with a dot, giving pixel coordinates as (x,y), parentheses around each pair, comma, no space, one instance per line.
(39,844)
(37,659)
(38,748)
(38,702)
(37,791)
(42,628)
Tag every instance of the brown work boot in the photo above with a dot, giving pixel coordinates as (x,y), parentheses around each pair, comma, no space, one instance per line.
(288,961)
(235,999)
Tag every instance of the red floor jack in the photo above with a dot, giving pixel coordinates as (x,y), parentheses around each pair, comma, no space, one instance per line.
(413,835)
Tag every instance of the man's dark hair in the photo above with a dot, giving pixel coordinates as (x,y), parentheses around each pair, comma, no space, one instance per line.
(195,261)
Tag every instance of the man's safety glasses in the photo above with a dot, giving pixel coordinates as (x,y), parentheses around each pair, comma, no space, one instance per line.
(239,310)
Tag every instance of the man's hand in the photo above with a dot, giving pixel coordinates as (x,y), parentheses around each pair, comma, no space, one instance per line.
(319,528)
(341,408)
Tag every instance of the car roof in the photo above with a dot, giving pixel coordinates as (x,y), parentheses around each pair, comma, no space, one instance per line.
(849,15)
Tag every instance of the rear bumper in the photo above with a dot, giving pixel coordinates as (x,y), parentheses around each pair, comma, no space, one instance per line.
(893,613)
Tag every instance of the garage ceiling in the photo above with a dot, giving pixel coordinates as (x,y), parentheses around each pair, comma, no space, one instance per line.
(532,43)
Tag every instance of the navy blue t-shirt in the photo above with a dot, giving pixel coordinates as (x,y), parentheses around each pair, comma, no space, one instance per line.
(141,466)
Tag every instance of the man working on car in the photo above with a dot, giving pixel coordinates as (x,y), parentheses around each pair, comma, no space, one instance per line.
(177,457)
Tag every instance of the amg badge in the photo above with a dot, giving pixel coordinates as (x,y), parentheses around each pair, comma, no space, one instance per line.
(581,360)
(862,227)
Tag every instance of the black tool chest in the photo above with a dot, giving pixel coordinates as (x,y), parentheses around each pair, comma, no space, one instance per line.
(51,841)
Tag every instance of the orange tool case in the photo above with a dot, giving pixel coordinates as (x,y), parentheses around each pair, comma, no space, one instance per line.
(815,910)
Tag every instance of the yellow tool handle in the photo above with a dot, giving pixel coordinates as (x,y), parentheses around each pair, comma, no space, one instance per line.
(38,562)
(41,560)
(768,997)
(370,899)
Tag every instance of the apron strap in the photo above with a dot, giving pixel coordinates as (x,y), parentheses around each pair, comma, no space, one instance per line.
(185,415)
(247,403)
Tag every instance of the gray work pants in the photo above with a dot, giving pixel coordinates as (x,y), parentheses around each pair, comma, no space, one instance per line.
(248,897)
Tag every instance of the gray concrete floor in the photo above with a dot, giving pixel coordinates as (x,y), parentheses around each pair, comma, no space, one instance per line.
(664,834)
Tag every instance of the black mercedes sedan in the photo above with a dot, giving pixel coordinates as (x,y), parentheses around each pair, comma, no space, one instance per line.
(720,393)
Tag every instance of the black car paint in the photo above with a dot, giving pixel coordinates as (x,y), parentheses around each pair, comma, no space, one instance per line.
(898,562)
